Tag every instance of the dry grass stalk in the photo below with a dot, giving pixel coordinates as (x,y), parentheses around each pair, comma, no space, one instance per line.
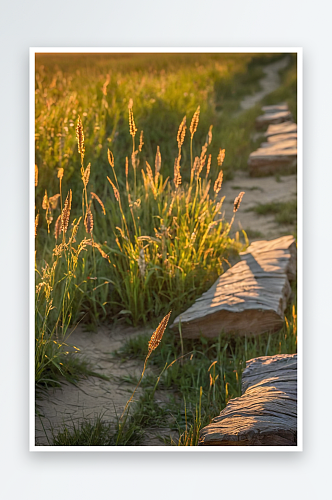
(218,183)
(96,197)
(116,191)
(88,221)
(153,344)
(80,137)
(66,213)
(126,169)
(36,176)
(110,157)
(237,201)
(53,201)
(57,229)
(36,224)
(194,122)
(181,132)
(221,157)
(140,141)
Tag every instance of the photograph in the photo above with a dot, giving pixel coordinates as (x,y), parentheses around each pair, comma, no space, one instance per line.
(165,249)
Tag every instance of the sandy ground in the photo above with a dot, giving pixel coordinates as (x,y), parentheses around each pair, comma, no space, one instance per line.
(93,396)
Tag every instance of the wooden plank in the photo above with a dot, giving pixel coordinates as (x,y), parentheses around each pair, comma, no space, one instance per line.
(275,108)
(273,118)
(266,413)
(282,137)
(283,248)
(282,128)
(269,162)
(248,299)
(285,144)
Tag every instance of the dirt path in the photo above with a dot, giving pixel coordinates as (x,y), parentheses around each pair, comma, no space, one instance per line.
(94,396)
(269,83)
(258,190)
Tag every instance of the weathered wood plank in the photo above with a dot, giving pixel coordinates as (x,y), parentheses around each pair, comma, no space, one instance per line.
(282,137)
(283,248)
(273,118)
(249,298)
(275,108)
(282,128)
(285,144)
(266,413)
(265,162)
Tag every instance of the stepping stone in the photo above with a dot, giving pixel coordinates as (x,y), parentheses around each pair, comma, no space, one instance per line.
(275,108)
(282,137)
(266,413)
(281,128)
(270,161)
(249,298)
(273,118)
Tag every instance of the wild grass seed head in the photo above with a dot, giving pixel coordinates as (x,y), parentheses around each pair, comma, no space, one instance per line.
(194,122)
(158,334)
(237,201)
(66,212)
(181,132)
(80,137)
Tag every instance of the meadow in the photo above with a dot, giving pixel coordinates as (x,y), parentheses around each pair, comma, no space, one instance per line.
(131,153)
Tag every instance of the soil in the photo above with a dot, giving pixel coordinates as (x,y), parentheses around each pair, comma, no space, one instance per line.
(94,396)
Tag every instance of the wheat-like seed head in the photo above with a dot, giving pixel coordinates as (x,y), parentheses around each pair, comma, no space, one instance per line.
(86,175)
(158,334)
(36,176)
(66,213)
(101,251)
(110,158)
(80,137)
(194,122)
(60,173)
(181,132)
(237,201)
(134,159)
(177,175)
(45,201)
(208,166)
(36,224)
(140,141)
(132,126)
(116,192)
(88,221)
(218,183)
(157,163)
(209,136)
(221,157)
(96,197)
(53,201)
(106,84)
(57,228)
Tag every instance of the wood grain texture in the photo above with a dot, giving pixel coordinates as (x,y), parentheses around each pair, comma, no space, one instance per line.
(248,299)
(266,413)
(275,108)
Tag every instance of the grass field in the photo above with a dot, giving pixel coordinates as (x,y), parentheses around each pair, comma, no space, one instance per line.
(129,217)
